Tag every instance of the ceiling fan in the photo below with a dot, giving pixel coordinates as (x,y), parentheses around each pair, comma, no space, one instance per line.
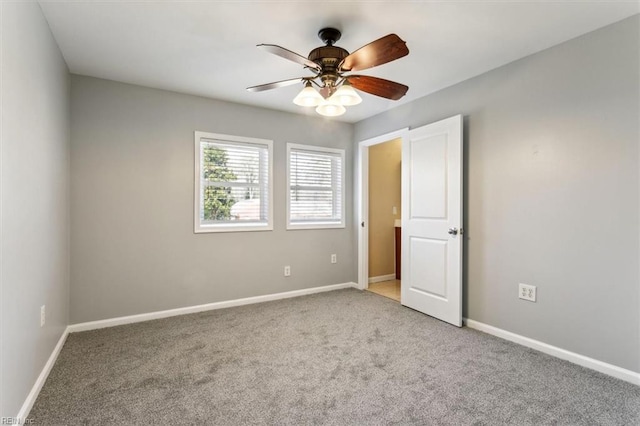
(332,65)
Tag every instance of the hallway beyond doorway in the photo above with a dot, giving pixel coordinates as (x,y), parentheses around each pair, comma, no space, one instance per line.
(390,289)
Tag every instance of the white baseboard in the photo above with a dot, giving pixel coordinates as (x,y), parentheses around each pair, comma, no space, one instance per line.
(37,386)
(93,325)
(584,361)
(382,278)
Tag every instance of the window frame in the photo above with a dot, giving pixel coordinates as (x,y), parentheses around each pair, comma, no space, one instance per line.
(319,224)
(230,226)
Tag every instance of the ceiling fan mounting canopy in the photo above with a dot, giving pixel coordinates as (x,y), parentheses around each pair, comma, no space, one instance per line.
(332,64)
(329,35)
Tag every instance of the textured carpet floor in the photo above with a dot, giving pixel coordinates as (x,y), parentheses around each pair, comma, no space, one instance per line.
(342,357)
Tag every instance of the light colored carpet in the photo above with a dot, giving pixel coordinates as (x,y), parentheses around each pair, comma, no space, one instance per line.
(342,358)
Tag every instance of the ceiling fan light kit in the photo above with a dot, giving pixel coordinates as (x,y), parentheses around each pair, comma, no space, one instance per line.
(308,97)
(332,65)
(330,108)
(346,95)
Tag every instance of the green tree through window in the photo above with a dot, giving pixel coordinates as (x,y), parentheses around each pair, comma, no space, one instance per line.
(217,199)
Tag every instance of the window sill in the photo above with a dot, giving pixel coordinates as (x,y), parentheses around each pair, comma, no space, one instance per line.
(314,225)
(245,227)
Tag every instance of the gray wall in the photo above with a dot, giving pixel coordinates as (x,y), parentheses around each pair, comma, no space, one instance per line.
(34,199)
(133,248)
(552,191)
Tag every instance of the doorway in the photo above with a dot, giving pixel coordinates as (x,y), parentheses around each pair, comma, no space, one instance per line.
(431,224)
(379,210)
(384,218)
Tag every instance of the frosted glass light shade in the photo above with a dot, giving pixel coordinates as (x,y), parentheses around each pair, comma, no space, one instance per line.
(346,95)
(330,108)
(308,97)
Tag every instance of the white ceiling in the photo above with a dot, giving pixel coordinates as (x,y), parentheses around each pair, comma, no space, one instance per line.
(208,48)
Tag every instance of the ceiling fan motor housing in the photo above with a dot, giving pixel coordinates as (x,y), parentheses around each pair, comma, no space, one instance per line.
(328,57)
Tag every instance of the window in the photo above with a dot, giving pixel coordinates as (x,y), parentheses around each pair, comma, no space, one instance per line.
(233,188)
(315,181)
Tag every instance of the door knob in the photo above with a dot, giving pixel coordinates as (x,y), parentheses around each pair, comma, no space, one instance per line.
(453,231)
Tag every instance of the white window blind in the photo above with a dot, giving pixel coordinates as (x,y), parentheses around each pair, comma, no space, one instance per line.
(233,183)
(316,187)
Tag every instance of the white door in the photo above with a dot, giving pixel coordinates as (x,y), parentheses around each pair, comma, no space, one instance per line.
(432,220)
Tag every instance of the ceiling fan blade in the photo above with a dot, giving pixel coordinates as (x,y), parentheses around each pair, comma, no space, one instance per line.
(287,54)
(385,49)
(274,85)
(378,86)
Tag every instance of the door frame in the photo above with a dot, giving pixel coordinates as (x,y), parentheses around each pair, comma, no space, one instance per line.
(362,199)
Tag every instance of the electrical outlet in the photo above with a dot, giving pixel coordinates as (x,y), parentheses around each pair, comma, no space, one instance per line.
(527,292)
(334,258)
(43,316)
(287,271)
